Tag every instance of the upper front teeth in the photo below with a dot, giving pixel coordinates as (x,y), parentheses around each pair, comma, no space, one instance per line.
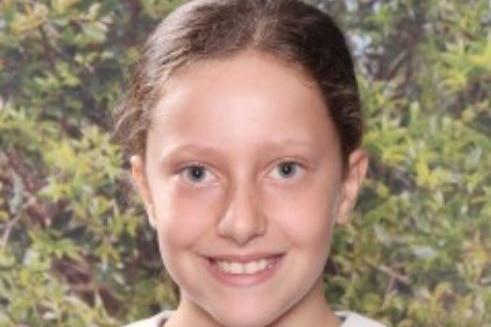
(251,267)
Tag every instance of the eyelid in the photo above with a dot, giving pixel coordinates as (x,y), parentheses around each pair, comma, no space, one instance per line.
(183,168)
(301,166)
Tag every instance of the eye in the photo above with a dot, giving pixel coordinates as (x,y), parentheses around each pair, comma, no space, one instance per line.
(286,170)
(197,174)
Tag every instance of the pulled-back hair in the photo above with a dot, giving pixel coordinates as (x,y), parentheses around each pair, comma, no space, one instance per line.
(289,30)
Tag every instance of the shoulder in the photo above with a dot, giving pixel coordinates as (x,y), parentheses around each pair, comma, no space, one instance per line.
(352,319)
(155,321)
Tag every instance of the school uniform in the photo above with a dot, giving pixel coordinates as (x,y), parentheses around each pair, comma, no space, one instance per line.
(349,319)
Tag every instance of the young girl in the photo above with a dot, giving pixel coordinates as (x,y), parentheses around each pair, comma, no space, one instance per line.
(243,127)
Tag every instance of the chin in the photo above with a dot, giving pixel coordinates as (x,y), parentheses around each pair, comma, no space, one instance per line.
(241,320)
(254,316)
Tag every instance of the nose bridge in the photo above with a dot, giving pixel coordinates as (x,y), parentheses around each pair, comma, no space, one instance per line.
(242,218)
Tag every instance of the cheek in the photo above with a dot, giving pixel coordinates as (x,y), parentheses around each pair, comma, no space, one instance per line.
(184,215)
(307,215)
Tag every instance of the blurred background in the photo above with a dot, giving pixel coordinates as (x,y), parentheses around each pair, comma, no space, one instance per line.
(75,249)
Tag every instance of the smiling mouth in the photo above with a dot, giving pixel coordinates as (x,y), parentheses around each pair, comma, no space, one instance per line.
(244,268)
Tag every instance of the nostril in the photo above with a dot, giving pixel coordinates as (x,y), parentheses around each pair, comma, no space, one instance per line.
(242,218)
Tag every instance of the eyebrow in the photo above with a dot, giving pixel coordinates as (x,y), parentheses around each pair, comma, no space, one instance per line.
(207,150)
(293,143)
(191,148)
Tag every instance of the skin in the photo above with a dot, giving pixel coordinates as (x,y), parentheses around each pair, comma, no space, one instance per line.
(243,162)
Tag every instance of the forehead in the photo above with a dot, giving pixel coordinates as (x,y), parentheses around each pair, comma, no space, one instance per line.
(244,99)
(254,60)
(248,73)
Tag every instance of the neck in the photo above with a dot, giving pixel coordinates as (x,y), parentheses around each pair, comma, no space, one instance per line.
(312,310)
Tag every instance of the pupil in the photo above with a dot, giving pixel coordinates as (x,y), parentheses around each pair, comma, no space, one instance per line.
(197,172)
(287,169)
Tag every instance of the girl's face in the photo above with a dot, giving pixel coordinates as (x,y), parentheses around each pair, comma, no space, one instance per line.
(242,180)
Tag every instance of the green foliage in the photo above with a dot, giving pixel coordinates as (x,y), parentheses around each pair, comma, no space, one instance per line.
(74,250)
(74,247)
(418,253)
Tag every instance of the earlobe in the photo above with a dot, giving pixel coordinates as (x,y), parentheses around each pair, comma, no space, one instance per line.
(137,171)
(351,185)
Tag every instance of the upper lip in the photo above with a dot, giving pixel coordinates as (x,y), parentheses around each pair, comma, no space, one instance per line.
(245,257)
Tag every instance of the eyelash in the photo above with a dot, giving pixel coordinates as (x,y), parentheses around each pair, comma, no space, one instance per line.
(188,174)
(298,169)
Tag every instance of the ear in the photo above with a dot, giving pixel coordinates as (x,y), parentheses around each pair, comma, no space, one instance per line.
(351,184)
(138,173)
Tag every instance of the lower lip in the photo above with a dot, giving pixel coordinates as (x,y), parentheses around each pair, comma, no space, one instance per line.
(244,280)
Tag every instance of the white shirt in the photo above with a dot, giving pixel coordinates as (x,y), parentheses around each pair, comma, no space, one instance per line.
(350,319)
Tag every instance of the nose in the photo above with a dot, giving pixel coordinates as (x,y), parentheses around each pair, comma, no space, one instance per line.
(243,218)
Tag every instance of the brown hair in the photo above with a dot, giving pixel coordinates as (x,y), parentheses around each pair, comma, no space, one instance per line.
(211,29)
